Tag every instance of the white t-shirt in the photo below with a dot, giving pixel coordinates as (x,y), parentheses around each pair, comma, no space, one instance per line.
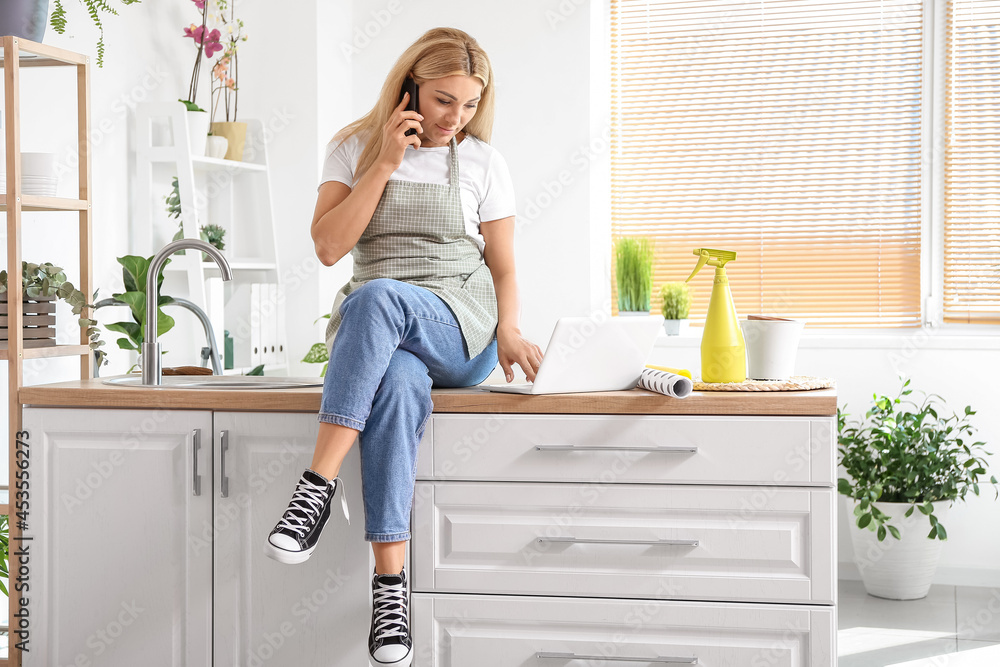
(486,188)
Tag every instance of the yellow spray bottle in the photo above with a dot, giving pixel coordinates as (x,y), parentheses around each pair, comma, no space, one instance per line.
(723,350)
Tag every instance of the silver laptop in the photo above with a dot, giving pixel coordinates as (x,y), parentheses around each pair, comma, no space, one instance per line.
(588,355)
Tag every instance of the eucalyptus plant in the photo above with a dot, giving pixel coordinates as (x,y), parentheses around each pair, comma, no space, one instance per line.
(904,452)
(675,300)
(49,280)
(634,272)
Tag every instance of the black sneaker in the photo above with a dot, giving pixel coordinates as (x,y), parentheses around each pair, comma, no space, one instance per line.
(389,641)
(294,538)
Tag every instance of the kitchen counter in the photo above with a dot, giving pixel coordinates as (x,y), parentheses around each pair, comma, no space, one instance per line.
(94,393)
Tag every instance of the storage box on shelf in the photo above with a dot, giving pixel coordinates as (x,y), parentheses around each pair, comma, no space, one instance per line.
(21,53)
(235,195)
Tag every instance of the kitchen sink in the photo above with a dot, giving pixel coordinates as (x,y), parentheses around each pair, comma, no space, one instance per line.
(218,382)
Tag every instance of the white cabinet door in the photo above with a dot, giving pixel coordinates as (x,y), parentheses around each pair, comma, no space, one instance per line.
(117,573)
(515,631)
(270,613)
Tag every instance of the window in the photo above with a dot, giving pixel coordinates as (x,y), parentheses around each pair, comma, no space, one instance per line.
(972,163)
(786,130)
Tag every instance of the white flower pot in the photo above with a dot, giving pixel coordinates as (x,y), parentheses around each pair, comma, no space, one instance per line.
(675,327)
(197,132)
(216,146)
(898,569)
(771,348)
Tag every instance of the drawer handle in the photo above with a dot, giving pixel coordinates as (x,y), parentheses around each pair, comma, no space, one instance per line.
(686,449)
(588,540)
(663,659)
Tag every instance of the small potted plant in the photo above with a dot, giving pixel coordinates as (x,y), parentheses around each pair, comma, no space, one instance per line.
(905,464)
(40,282)
(676,303)
(634,275)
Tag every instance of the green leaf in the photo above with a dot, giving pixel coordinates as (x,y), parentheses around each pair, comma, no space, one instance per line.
(256,370)
(894,531)
(843,486)
(881,533)
(317,354)
(864,520)
(124,344)
(134,270)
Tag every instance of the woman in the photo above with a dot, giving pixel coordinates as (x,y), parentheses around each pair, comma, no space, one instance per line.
(433,300)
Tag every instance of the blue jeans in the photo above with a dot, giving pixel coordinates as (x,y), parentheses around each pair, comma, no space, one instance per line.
(395,342)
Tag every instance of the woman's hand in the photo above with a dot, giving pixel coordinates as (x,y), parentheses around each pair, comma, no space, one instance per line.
(394,139)
(513,349)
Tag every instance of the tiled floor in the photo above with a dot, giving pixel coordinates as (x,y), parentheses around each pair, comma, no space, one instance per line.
(954,626)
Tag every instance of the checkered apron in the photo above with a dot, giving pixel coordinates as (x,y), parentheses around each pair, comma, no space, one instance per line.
(417,235)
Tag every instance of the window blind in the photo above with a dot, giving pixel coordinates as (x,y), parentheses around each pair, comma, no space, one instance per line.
(786,130)
(972,163)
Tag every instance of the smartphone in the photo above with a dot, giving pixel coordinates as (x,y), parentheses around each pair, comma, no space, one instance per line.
(410,86)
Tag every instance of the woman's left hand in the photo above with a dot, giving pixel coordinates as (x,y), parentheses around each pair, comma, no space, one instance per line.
(513,349)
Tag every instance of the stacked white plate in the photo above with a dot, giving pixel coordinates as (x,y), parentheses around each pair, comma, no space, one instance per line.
(38,175)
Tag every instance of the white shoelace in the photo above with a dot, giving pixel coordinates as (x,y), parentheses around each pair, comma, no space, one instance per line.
(308,498)
(390,610)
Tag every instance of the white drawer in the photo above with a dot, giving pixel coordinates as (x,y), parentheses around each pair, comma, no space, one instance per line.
(509,631)
(782,451)
(753,544)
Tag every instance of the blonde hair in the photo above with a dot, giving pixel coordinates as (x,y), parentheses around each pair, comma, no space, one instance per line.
(440,52)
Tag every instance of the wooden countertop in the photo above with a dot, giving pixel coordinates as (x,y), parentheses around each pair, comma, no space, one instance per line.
(93,393)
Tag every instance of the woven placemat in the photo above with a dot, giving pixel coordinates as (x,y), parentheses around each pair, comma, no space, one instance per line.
(794,383)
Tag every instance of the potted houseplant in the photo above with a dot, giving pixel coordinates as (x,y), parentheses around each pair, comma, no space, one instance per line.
(224,83)
(213,234)
(906,463)
(207,43)
(675,305)
(634,274)
(46,280)
(93,8)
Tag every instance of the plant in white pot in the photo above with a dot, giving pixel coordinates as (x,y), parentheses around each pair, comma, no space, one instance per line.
(905,464)
(675,305)
(207,42)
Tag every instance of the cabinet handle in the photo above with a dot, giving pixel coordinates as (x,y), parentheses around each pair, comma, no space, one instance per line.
(196,445)
(224,440)
(663,659)
(684,449)
(588,540)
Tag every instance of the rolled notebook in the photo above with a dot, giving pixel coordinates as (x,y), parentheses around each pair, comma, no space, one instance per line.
(663,382)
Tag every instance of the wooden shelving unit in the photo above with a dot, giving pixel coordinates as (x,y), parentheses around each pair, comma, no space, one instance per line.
(21,53)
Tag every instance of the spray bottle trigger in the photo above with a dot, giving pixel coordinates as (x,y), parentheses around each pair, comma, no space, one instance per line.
(702,260)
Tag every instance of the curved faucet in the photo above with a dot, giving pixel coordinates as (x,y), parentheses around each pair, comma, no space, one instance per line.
(151,347)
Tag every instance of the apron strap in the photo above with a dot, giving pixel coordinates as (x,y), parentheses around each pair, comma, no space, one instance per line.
(453,180)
